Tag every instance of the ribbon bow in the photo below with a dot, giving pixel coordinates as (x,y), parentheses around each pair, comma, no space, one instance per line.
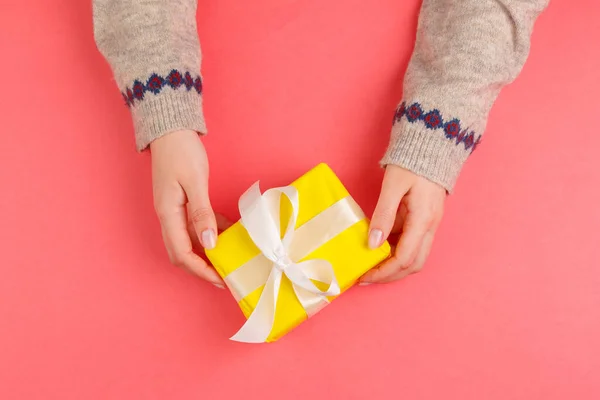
(260,216)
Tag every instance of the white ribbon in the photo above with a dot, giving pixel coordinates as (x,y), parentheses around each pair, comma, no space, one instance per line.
(261,218)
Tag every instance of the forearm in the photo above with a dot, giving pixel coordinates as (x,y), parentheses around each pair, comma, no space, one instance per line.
(153,49)
(465,52)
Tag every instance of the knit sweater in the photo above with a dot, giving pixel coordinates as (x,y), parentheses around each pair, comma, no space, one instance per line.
(466,51)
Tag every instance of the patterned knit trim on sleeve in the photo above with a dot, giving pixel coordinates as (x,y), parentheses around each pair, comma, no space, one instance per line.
(433,120)
(156,83)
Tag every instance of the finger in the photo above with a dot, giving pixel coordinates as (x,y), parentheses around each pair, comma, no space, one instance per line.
(171,210)
(394,236)
(196,245)
(416,226)
(201,213)
(413,233)
(393,190)
(400,218)
(223,223)
(419,262)
(179,247)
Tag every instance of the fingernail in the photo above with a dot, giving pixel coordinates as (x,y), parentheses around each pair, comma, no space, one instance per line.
(375,238)
(364,283)
(219,285)
(209,240)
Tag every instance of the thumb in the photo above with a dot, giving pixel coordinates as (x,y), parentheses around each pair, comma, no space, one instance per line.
(384,216)
(202,216)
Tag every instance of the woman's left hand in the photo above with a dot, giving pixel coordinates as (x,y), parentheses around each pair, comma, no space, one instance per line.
(411,206)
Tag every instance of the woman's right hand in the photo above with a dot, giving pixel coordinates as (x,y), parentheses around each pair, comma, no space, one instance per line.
(180,185)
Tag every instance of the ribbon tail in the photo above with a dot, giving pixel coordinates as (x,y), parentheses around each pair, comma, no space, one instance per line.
(260,323)
(311,302)
(310,296)
(320,270)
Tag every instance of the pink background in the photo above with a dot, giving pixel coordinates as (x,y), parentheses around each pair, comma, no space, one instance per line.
(508,306)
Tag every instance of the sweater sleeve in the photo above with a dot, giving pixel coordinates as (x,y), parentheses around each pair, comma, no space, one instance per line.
(465,52)
(153,49)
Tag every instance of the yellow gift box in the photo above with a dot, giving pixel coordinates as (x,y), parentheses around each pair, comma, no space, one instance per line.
(318,190)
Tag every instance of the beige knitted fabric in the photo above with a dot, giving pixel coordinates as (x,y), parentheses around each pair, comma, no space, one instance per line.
(465,52)
(140,38)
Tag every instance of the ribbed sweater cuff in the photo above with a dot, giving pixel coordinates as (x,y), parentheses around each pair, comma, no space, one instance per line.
(428,153)
(166,112)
